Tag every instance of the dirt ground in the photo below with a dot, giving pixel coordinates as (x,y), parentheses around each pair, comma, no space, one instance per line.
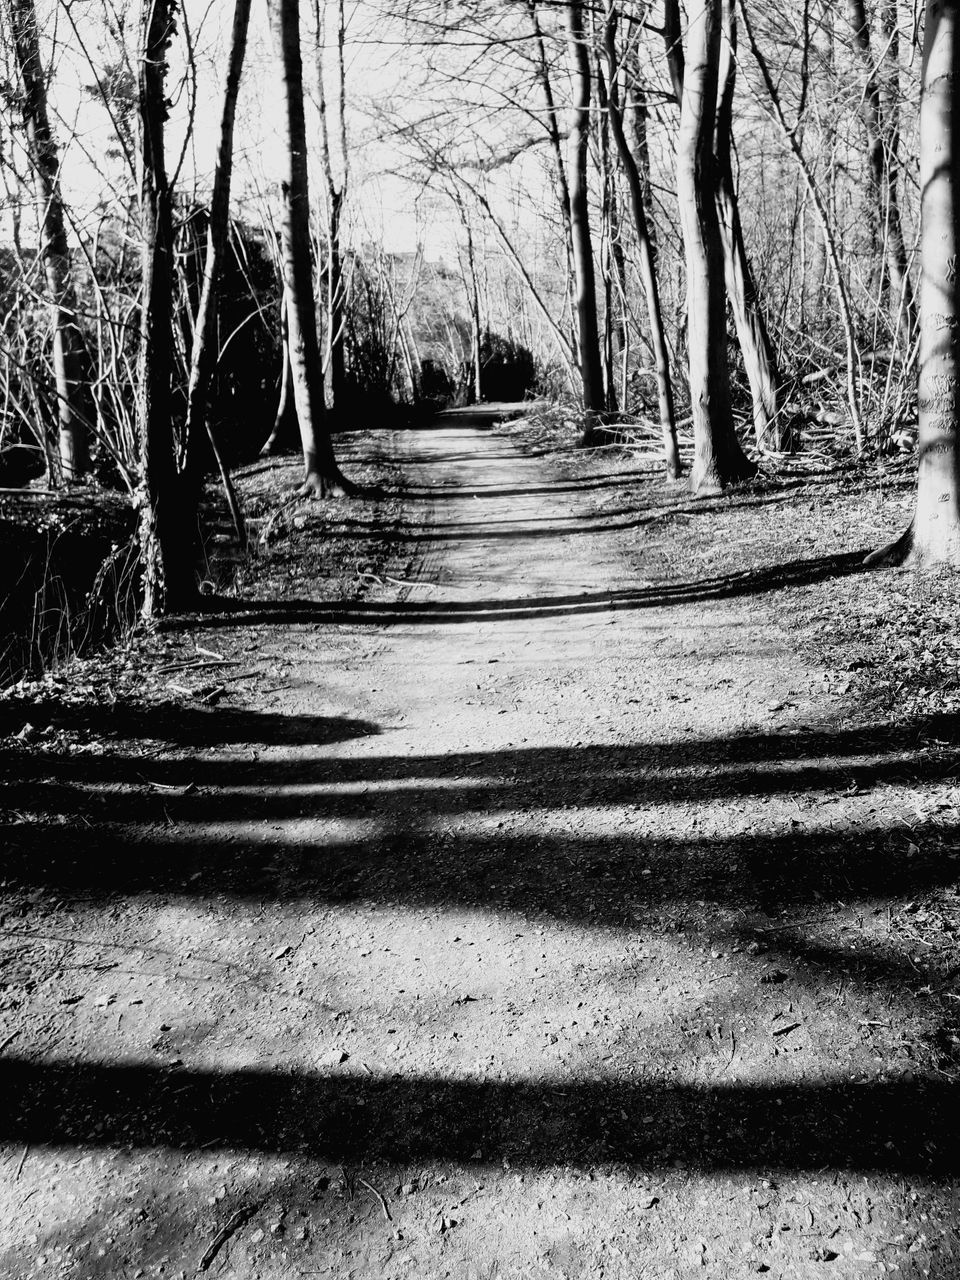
(530,872)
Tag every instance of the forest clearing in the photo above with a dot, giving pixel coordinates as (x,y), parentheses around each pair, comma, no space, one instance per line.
(479,671)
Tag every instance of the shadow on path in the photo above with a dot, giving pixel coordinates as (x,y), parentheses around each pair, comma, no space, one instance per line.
(896,1127)
(228,611)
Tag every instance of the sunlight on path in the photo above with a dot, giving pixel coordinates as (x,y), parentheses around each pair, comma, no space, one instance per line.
(548,975)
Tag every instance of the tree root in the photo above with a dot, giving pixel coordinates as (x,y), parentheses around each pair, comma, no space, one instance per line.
(316,485)
(894,554)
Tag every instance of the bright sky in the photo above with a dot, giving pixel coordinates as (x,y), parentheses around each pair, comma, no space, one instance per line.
(76,45)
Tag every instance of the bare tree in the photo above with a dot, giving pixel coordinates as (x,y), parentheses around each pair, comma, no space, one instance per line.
(203,356)
(718,458)
(591,367)
(41,147)
(322,476)
(648,273)
(759,359)
(336,194)
(882,171)
(167,576)
(933,537)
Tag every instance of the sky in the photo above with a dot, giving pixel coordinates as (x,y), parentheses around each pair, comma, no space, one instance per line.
(94,176)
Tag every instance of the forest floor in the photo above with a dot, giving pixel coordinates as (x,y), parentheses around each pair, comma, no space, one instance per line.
(531,872)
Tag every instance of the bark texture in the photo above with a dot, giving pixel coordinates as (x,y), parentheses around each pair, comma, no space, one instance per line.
(936,525)
(758,356)
(591,365)
(41,147)
(322,476)
(336,196)
(204,355)
(718,457)
(882,168)
(648,274)
(167,576)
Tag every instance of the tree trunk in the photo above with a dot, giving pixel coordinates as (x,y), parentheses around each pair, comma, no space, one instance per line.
(322,476)
(336,196)
(758,355)
(285,435)
(648,273)
(167,573)
(934,536)
(203,356)
(552,125)
(54,251)
(718,458)
(591,367)
(882,169)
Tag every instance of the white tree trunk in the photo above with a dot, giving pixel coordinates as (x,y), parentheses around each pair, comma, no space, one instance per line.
(936,528)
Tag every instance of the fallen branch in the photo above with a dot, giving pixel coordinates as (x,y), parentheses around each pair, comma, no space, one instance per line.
(224,1234)
(383,1204)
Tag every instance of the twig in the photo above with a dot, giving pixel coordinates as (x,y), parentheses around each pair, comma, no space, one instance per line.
(383,1203)
(733,1050)
(12,1036)
(21,1164)
(399,582)
(786,924)
(194,665)
(224,1234)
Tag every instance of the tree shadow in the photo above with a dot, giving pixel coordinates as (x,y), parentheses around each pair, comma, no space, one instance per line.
(893,1127)
(170,722)
(226,611)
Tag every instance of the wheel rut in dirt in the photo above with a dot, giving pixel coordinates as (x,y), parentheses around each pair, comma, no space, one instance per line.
(516,930)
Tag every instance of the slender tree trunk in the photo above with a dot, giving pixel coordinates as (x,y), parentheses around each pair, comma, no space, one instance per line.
(648,274)
(556,146)
(635,128)
(758,355)
(336,302)
(285,436)
(826,226)
(322,476)
(204,355)
(54,250)
(609,233)
(167,573)
(718,458)
(934,536)
(882,169)
(591,368)
(336,196)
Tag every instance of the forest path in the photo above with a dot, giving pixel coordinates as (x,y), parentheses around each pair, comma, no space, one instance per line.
(508,932)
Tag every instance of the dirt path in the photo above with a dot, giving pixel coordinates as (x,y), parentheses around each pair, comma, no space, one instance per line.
(532,923)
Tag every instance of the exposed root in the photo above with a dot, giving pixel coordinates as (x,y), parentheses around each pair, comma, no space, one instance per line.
(893,554)
(316,485)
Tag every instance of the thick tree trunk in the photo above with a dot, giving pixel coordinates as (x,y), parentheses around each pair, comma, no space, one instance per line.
(167,573)
(591,366)
(934,536)
(648,273)
(322,476)
(54,250)
(718,457)
(882,170)
(204,355)
(758,355)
